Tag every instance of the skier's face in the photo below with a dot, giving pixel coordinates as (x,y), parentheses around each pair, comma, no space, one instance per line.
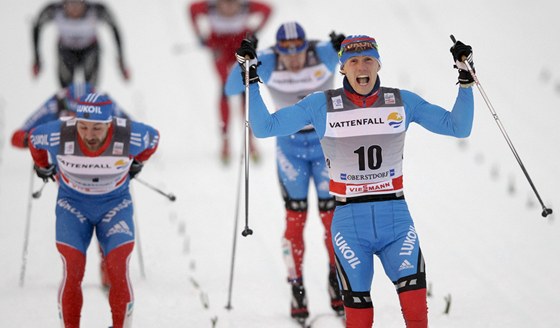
(293,62)
(93,134)
(228,8)
(361,72)
(74,8)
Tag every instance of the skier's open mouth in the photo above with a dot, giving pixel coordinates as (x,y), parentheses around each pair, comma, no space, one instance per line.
(362,79)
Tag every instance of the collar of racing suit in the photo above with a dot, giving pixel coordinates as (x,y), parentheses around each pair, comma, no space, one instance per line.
(358,99)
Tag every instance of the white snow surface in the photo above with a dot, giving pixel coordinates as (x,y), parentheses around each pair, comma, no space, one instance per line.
(482,235)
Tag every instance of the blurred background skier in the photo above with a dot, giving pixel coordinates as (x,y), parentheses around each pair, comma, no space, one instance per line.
(291,69)
(227,22)
(61,104)
(78,48)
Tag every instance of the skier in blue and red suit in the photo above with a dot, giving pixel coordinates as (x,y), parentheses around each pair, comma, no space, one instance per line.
(61,104)
(291,69)
(362,128)
(93,156)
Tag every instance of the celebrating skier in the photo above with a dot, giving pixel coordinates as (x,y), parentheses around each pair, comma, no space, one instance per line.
(362,127)
(291,69)
(93,156)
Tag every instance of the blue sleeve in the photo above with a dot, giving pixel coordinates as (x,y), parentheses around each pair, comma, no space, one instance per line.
(234,83)
(287,120)
(327,54)
(457,122)
(118,111)
(47,113)
(142,138)
(46,137)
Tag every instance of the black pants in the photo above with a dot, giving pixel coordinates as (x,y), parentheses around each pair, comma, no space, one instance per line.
(71,59)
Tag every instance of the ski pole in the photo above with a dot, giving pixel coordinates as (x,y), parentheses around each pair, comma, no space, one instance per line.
(137,239)
(38,193)
(169,196)
(247,231)
(26,231)
(238,200)
(140,253)
(546,211)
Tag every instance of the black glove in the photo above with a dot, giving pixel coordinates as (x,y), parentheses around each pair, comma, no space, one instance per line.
(36,69)
(336,40)
(460,53)
(135,168)
(202,41)
(45,173)
(247,49)
(125,72)
(253,39)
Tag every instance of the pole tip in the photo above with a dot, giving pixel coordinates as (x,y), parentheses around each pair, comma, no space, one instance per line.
(546,212)
(247,232)
(453,38)
(171,197)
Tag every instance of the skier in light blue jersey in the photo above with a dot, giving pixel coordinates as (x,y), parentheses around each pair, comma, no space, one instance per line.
(291,69)
(93,156)
(62,103)
(362,127)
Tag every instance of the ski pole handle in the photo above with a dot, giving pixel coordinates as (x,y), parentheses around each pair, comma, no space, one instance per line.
(463,58)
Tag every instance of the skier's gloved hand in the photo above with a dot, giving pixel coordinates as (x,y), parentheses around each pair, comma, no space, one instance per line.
(247,55)
(124,69)
(461,53)
(45,173)
(135,168)
(336,40)
(254,40)
(36,69)
(201,41)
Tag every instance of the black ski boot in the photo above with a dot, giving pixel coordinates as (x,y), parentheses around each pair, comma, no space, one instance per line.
(299,303)
(334,291)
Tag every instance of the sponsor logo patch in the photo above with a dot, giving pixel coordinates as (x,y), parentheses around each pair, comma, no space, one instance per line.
(389,98)
(347,252)
(406,265)
(337,102)
(394,119)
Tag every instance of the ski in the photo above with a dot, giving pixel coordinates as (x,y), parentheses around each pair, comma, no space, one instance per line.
(302,322)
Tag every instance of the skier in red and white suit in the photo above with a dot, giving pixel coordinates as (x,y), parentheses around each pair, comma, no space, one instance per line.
(228,22)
